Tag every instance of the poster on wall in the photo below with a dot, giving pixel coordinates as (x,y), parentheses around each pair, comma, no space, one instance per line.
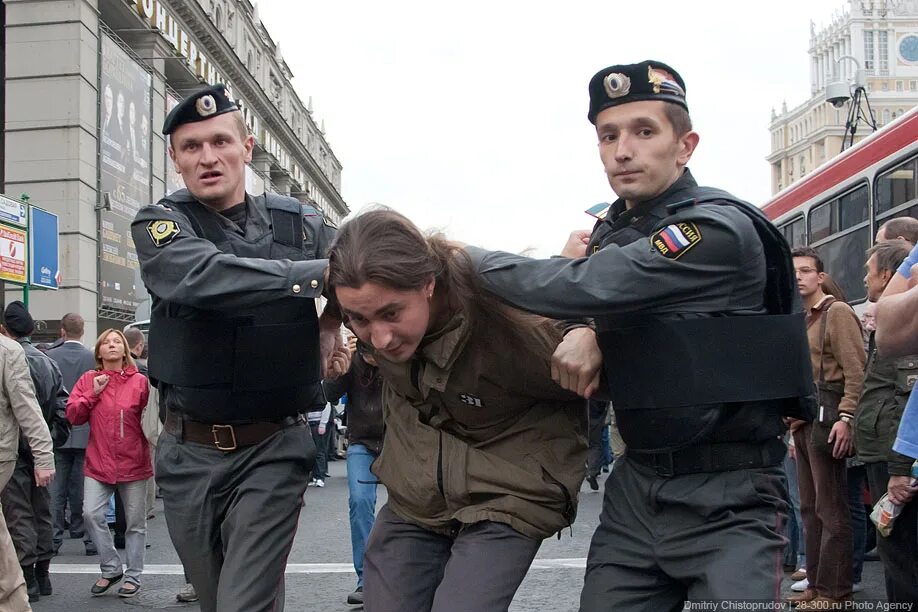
(12,254)
(124,141)
(174,180)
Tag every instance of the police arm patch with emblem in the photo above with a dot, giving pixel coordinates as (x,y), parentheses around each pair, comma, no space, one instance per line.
(162,231)
(673,241)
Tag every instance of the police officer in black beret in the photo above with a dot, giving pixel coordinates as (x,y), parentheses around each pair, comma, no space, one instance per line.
(235,352)
(696,335)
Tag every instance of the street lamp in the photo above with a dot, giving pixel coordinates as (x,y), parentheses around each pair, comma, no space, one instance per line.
(839,92)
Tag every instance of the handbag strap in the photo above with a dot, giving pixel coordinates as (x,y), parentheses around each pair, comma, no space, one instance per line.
(823,324)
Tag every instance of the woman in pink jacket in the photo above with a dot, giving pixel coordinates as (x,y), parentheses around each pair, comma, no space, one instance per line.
(112,399)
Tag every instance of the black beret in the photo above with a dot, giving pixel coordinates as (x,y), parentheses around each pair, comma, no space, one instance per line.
(17,319)
(625,83)
(199,106)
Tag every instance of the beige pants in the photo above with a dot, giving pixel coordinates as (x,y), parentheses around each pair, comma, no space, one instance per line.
(13,597)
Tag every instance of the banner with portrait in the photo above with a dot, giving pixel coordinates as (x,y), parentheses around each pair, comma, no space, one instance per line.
(125,151)
(174,180)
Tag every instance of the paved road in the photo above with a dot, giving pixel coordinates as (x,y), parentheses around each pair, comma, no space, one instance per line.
(320,574)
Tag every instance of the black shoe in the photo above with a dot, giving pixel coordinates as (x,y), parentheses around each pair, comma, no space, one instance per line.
(605,469)
(91,550)
(98,589)
(28,572)
(872,555)
(128,589)
(356,598)
(41,575)
(76,535)
(593,484)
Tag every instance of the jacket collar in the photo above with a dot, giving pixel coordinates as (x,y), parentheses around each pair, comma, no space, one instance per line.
(680,190)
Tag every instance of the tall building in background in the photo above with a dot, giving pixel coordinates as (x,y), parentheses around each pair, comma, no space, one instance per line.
(882,35)
(88,85)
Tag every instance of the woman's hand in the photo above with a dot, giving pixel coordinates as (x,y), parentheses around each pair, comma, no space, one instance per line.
(99,383)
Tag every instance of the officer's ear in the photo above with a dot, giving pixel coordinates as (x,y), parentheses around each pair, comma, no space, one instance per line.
(172,157)
(249,144)
(687,143)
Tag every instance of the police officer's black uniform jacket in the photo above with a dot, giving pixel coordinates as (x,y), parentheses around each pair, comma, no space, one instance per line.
(233,330)
(701,354)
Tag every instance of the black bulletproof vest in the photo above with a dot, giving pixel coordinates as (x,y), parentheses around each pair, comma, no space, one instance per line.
(252,364)
(679,372)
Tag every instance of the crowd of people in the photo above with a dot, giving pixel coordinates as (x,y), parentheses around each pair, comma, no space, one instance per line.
(479,386)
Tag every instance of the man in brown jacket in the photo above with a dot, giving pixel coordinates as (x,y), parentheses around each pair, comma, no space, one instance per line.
(18,409)
(837,353)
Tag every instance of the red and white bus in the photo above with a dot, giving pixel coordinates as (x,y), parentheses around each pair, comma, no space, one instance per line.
(838,207)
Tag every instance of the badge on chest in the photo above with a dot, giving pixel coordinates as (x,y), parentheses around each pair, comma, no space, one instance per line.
(471,400)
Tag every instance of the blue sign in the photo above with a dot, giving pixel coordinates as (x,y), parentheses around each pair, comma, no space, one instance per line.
(45,250)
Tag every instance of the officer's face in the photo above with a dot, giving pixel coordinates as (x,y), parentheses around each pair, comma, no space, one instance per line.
(875,280)
(809,279)
(211,156)
(390,320)
(640,150)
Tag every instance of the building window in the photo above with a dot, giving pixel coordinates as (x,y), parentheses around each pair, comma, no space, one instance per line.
(802,165)
(869,57)
(900,86)
(913,85)
(884,86)
(885,115)
(883,51)
(250,62)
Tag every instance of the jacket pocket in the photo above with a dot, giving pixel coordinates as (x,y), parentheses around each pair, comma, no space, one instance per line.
(906,375)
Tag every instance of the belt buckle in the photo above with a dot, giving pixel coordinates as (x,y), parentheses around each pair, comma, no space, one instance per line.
(663,465)
(215,429)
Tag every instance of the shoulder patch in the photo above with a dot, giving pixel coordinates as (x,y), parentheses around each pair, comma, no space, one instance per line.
(674,240)
(162,231)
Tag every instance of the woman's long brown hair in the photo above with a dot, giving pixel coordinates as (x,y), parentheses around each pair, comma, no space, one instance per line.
(384,247)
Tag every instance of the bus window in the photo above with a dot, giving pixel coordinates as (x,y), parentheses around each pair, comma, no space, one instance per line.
(852,208)
(821,222)
(793,233)
(844,258)
(897,186)
(840,233)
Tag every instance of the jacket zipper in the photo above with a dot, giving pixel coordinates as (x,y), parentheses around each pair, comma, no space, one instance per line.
(122,424)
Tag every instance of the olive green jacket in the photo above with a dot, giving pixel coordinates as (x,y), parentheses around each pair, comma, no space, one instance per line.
(887,385)
(476,430)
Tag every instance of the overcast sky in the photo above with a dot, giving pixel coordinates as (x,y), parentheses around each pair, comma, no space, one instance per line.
(471,116)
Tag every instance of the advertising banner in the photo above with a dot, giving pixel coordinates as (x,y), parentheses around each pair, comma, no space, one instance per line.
(174,180)
(43,241)
(125,172)
(13,258)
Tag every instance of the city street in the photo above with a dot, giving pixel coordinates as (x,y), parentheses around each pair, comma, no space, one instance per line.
(320,573)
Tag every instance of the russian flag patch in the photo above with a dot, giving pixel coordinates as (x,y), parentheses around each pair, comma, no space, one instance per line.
(674,240)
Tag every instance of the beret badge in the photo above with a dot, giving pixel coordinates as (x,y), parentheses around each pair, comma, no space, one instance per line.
(617,84)
(206,106)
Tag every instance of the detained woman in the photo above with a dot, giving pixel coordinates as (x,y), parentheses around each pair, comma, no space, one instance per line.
(112,399)
(484,454)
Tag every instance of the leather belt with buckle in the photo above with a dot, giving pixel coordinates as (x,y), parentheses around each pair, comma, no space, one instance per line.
(224,437)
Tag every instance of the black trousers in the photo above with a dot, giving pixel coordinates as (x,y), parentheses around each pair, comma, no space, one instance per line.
(407,567)
(27,510)
(662,541)
(67,489)
(899,551)
(232,516)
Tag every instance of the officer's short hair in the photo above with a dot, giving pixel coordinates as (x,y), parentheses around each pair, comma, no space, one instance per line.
(890,253)
(809,252)
(73,325)
(679,118)
(907,227)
